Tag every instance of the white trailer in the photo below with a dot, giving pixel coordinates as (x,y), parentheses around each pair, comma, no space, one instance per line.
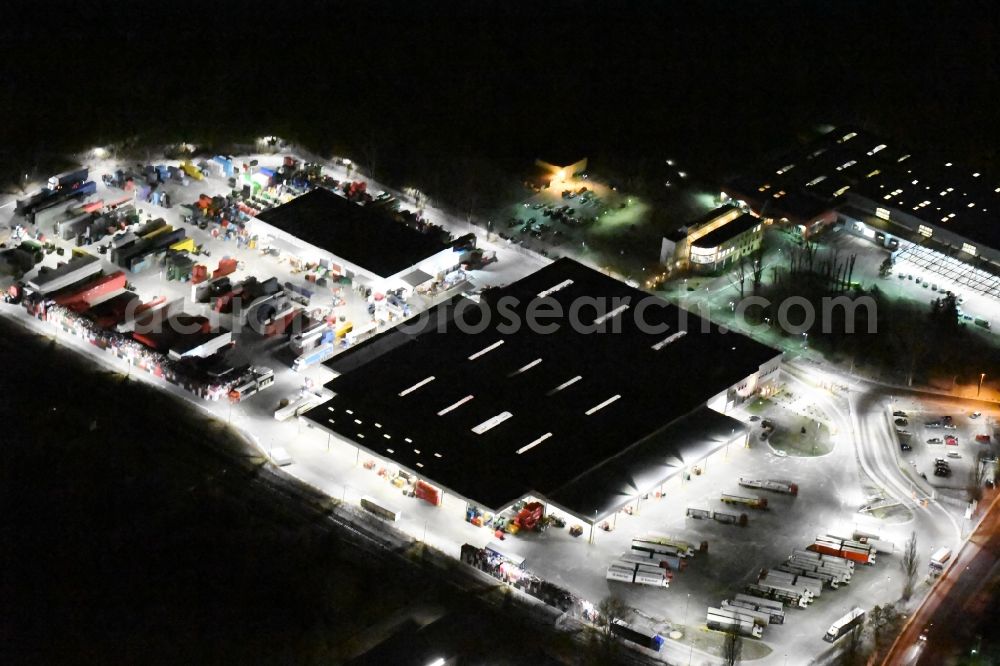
(637,574)
(871,539)
(761,618)
(775,607)
(854,543)
(823,557)
(853,618)
(724,620)
(843,574)
(790,597)
(672,562)
(814,585)
(831,579)
(939,559)
(777,582)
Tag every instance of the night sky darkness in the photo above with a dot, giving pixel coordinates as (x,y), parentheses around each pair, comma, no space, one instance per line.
(712,84)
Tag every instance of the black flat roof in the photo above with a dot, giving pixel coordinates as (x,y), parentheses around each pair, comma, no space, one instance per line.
(366,237)
(728,231)
(501,412)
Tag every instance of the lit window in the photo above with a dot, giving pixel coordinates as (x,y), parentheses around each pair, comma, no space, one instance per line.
(924,230)
(882,213)
(971,249)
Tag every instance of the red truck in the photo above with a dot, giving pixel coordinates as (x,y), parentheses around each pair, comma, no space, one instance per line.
(849,550)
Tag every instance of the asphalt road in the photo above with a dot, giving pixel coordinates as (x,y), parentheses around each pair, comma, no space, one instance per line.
(957,604)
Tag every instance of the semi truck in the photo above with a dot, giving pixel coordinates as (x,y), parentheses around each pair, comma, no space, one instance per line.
(725,620)
(380,509)
(644,638)
(851,619)
(939,559)
(870,539)
(784,487)
(752,502)
(863,554)
(779,593)
(68,178)
(773,607)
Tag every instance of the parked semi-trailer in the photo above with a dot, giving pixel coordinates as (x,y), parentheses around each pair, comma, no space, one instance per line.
(682,546)
(853,618)
(774,607)
(864,555)
(671,561)
(813,585)
(752,502)
(853,542)
(640,574)
(830,578)
(633,557)
(787,596)
(870,539)
(821,557)
(761,618)
(725,620)
(843,574)
(657,549)
(790,597)
(785,487)
(69,178)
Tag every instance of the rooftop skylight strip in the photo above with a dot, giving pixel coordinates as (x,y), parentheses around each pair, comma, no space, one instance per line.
(554,289)
(608,315)
(527,367)
(491,422)
(597,408)
(667,340)
(455,405)
(528,447)
(486,350)
(413,388)
(565,384)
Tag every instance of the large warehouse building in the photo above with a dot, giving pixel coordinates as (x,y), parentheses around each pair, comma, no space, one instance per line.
(583,420)
(360,242)
(941,217)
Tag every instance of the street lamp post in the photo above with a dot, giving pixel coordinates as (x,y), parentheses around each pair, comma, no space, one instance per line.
(982,376)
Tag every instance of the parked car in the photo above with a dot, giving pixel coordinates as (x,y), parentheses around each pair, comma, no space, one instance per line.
(932,424)
(899,413)
(983,439)
(901,422)
(950,426)
(946,419)
(951,440)
(942,471)
(903,446)
(975,415)
(903,433)
(954,454)
(935,440)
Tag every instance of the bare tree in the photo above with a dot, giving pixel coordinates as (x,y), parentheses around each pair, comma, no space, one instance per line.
(884,623)
(758,269)
(910,564)
(610,609)
(732,647)
(852,650)
(738,277)
(977,477)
